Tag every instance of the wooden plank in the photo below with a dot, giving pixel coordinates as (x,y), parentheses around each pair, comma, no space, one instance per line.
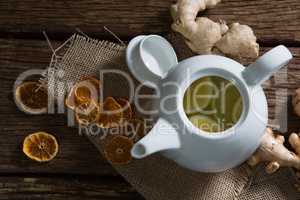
(61,188)
(280,89)
(273,21)
(77,155)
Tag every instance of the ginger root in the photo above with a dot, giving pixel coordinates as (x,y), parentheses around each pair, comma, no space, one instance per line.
(239,41)
(296,102)
(273,151)
(204,36)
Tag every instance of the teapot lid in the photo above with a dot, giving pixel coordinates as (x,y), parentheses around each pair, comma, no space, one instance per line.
(150,58)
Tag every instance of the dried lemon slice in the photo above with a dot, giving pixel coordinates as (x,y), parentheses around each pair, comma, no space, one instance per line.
(40,146)
(83,92)
(31,98)
(87,113)
(126,109)
(117,151)
(110,113)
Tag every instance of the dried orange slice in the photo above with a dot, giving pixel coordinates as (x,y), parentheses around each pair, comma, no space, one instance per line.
(83,92)
(126,109)
(87,113)
(110,113)
(117,151)
(87,89)
(71,101)
(40,146)
(31,98)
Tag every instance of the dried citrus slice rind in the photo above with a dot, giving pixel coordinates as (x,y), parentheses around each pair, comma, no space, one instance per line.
(117,150)
(126,109)
(31,98)
(40,146)
(83,92)
(87,113)
(71,101)
(87,89)
(110,113)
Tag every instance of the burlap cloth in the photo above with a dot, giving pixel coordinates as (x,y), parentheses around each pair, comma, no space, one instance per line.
(155,177)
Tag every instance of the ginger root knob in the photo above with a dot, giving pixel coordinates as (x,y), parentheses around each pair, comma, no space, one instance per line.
(273,151)
(205,36)
(296,102)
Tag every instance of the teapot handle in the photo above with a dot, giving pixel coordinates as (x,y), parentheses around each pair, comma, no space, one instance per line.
(261,70)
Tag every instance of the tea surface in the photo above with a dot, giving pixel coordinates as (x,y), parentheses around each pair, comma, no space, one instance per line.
(213,104)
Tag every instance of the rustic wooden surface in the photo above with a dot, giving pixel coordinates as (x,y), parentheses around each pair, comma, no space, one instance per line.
(79,171)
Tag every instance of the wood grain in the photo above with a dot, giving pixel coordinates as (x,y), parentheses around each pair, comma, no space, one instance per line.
(76,156)
(273,21)
(61,188)
(79,171)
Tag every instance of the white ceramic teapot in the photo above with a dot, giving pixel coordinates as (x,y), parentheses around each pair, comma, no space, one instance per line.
(153,61)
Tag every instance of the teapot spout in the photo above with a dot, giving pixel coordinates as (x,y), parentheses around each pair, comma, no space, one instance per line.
(163,136)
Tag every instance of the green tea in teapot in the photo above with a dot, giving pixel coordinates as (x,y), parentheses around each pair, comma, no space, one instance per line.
(213,104)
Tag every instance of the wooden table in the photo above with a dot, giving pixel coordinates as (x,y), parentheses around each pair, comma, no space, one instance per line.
(79,172)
